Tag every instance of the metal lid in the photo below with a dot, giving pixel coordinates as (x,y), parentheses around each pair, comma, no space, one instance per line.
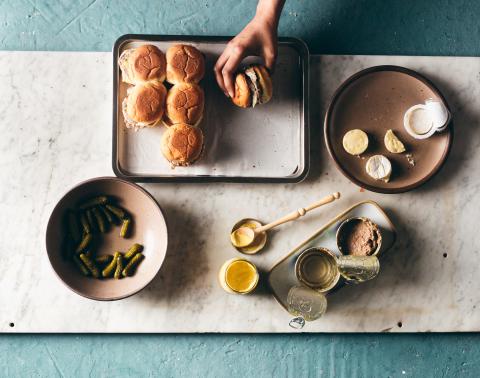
(306,303)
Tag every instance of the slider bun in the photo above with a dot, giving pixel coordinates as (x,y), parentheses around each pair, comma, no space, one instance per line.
(185,104)
(143,64)
(182,144)
(146,104)
(264,81)
(184,64)
(242,96)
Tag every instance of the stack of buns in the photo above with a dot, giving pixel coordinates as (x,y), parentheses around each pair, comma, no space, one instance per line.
(180,108)
(144,68)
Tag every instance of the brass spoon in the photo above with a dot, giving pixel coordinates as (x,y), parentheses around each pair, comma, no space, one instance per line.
(244,236)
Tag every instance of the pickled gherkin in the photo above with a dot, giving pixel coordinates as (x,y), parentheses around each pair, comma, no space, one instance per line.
(90,265)
(108,214)
(132,265)
(134,249)
(125,230)
(103,260)
(81,266)
(87,238)
(118,270)
(118,211)
(85,225)
(74,227)
(92,202)
(100,220)
(91,221)
(110,268)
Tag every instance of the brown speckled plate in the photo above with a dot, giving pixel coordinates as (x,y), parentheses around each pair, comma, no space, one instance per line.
(375,100)
(149,229)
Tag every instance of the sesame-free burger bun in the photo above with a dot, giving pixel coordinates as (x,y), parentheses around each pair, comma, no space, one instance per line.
(143,64)
(184,64)
(264,82)
(243,95)
(182,144)
(185,104)
(144,105)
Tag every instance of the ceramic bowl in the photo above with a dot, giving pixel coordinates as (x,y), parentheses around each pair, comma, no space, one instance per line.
(149,229)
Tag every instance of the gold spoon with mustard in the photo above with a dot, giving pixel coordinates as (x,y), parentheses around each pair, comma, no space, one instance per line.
(244,236)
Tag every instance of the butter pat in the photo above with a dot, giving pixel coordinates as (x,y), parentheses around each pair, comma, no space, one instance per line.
(379,168)
(393,144)
(355,142)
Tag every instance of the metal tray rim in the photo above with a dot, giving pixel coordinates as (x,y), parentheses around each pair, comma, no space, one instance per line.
(300,176)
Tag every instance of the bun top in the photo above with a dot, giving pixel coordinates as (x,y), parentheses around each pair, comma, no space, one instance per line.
(242,96)
(184,64)
(182,144)
(146,103)
(146,63)
(184,104)
(265,83)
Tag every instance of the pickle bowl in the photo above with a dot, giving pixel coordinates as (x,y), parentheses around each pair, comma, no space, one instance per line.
(149,228)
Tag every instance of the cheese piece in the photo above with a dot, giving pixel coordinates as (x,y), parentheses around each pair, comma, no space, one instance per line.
(392,143)
(355,142)
(379,168)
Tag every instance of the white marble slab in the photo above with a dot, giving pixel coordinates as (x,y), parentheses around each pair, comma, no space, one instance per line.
(56,124)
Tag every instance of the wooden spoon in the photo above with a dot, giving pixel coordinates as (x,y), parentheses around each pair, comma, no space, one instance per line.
(244,236)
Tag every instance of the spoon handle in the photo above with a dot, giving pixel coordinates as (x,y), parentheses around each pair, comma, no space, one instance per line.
(298,213)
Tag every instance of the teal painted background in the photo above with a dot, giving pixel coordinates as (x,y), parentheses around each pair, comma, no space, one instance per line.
(421,27)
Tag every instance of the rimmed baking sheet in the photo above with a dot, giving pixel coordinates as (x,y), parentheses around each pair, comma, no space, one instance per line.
(267,143)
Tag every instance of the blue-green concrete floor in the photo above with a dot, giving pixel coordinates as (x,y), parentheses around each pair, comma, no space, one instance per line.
(415,27)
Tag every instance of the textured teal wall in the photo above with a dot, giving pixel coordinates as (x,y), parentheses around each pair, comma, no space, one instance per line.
(421,27)
(441,27)
(240,356)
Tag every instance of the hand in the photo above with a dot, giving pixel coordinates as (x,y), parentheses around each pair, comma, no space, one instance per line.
(258,38)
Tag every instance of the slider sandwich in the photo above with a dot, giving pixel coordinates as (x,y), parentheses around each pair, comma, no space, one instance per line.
(144,105)
(182,144)
(185,104)
(252,86)
(142,64)
(185,64)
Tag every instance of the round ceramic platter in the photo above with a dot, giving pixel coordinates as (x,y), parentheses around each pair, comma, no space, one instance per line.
(375,100)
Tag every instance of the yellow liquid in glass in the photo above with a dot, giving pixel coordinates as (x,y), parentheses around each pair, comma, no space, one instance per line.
(241,276)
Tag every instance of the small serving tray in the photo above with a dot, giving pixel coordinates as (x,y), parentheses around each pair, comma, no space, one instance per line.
(282,276)
(267,144)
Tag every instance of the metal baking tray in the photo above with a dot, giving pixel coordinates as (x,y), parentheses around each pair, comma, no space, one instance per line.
(282,276)
(267,144)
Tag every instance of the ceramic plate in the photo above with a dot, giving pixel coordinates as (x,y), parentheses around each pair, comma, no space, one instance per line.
(375,100)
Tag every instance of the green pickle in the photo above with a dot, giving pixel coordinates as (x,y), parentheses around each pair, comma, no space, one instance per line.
(118,211)
(125,230)
(90,265)
(85,225)
(74,227)
(100,220)
(104,259)
(132,265)
(81,267)
(110,268)
(92,202)
(108,214)
(87,238)
(134,249)
(118,270)
(91,221)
